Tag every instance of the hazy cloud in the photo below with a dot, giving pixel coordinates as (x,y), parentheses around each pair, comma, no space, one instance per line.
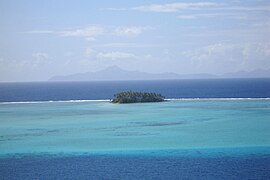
(248,54)
(126,45)
(38,59)
(93,31)
(213,15)
(180,6)
(40,32)
(116,55)
(89,52)
(245,8)
(174,7)
(89,32)
(40,56)
(129,31)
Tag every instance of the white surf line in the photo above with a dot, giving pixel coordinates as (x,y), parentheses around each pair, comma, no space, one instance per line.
(60,101)
(215,99)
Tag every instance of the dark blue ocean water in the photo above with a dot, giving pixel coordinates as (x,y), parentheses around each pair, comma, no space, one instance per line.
(137,167)
(214,88)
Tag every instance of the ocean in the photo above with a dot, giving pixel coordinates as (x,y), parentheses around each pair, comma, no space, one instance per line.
(212,88)
(208,129)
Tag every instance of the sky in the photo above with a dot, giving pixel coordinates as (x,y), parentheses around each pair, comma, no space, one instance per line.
(41,39)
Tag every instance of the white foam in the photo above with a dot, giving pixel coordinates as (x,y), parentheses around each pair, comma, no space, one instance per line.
(60,101)
(216,99)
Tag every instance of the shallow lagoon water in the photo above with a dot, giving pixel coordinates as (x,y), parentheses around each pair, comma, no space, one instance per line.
(172,127)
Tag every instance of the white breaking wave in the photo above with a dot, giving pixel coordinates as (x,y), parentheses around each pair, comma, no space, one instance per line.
(216,99)
(60,101)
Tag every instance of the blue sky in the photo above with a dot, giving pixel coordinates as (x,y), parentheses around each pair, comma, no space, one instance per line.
(40,39)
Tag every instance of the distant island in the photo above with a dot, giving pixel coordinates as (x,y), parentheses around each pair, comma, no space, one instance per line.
(137,97)
(115,73)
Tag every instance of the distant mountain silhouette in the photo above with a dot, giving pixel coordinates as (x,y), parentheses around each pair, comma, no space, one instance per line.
(115,73)
(258,73)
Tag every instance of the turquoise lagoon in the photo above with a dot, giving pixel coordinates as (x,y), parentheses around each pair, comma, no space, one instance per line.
(188,127)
